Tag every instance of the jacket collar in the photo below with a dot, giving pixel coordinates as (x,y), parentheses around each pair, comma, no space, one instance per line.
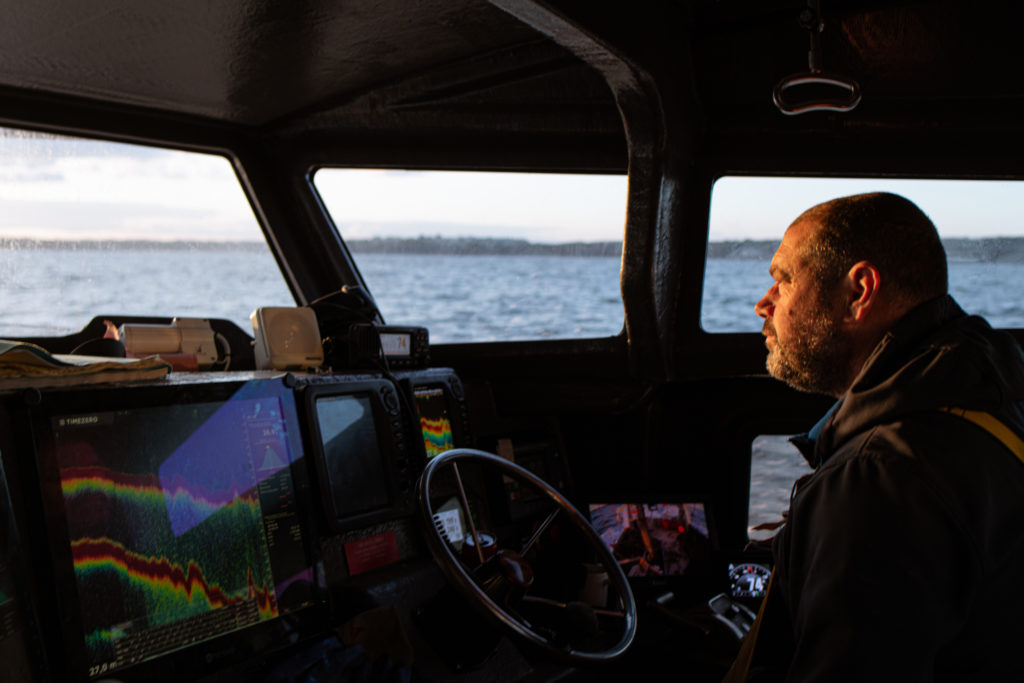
(805,442)
(905,336)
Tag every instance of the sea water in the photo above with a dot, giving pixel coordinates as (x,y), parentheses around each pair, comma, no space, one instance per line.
(50,292)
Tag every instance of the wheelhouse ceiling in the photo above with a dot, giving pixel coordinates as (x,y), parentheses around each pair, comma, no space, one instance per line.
(241,61)
(458,67)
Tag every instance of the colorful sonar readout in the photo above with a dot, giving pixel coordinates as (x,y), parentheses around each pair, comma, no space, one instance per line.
(434,421)
(181,521)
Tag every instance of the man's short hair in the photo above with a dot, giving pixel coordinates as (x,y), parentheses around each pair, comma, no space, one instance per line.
(887,230)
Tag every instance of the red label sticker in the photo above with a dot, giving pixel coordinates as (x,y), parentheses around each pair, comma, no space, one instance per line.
(372,552)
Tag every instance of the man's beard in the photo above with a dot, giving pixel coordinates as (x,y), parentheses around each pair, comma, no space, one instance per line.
(815,358)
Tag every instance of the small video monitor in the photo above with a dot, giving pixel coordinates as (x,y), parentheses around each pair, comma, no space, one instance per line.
(656,540)
(357,438)
(355,470)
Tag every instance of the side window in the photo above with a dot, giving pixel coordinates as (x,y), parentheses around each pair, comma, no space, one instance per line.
(477,256)
(92,227)
(775,465)
(979,222)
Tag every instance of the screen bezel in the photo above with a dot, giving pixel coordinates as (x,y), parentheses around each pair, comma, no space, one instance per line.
(229,651)
(383,418)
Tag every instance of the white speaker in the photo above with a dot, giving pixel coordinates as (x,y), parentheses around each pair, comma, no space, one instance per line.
(286,338)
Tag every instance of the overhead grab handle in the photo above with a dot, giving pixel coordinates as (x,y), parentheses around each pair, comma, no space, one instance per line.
(846,99)
(847,95)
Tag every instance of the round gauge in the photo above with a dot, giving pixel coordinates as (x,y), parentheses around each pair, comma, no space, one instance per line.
(748,580)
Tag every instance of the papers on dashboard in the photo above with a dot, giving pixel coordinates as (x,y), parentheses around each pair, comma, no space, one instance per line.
(28,365)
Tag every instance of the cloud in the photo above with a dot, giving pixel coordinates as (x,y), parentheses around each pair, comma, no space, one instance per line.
(95,220)
(55,187)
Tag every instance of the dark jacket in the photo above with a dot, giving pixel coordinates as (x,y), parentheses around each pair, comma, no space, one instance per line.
(903,555)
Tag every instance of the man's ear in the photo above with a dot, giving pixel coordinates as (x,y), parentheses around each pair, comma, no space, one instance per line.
(863,285)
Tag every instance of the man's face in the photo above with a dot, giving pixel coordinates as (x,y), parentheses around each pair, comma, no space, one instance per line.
(802,323)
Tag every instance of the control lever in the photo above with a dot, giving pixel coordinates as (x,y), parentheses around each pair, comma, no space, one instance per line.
(736,617)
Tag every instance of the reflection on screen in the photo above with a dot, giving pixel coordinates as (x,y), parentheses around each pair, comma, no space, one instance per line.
(182,524)
(659,539)
(434,421)
(353,462)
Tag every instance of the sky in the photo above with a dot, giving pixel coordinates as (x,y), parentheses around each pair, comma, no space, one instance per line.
(537,207)
(73,189)
(762,208)
(56,188)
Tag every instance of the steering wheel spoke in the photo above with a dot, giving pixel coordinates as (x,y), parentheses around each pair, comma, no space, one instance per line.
(541,528)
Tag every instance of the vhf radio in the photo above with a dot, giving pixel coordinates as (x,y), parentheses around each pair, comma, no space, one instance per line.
(354,339)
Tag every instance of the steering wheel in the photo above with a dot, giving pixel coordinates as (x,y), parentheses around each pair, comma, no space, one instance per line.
(507,573)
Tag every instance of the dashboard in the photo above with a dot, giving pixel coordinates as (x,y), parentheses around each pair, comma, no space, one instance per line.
(214,525)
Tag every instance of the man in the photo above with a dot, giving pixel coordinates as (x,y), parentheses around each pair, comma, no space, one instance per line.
(903,553)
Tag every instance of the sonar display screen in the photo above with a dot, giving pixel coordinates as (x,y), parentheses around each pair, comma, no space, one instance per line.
(434,421)
(182,524)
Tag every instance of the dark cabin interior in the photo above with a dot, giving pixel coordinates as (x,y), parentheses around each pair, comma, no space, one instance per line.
(676,93)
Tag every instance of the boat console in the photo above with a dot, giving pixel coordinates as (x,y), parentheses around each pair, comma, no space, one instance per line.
(216,525)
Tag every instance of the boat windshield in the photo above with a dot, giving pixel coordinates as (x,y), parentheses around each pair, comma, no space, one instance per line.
(93,227)
(477,256)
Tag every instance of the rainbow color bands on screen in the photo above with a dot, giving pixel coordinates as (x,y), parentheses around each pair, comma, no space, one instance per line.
(161,577)
(164,582)
(434,421)
(165,510)
(437,435)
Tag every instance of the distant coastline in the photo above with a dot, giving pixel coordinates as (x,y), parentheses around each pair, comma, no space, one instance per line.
(958,250)
(15,243)
(481,246)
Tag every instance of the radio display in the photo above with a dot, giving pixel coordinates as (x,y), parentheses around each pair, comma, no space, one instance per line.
(397,344)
